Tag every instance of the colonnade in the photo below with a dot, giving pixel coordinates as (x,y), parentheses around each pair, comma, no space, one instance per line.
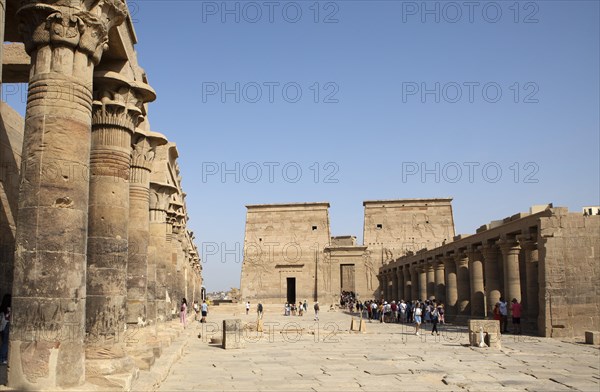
(469,279)
(101,239)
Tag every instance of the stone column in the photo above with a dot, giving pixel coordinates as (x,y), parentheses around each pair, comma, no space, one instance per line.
(407,282)
(414,278)
(451,285)
(422,282)
(512,280)
(491,271)
(477,289)
(440,286)
(400,288)
(49,293)
(463,284)
(2,25)
(171,268)
(158,250)
(117,110)
(531,262)
(394,294)
(430,279)
(138,306)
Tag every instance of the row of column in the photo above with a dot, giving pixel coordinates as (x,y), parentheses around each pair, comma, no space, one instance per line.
(471,280)
(85,265)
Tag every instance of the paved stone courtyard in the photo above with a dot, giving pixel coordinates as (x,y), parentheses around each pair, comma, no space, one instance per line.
(295,353)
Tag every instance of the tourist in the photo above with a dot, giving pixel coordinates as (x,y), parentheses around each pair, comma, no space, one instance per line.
(300,309)
(305,306)
(503,306)
(394,312)
(417,315)
(441,317)
(409,312)
(496,312)
(196,310)
(427,312)
(435,314)
(183,312)
(316,307)
(259,310)
(247,307)
(374,310)
(403,311)
(5,317)
(204,309)
(516,316)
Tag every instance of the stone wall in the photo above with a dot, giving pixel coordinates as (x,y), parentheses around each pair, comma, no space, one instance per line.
(395,228)
(285,241)
(405,225)
(570,274)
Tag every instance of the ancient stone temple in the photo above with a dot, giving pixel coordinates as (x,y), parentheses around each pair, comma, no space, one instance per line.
(546,259)
(289,254)
(94,224)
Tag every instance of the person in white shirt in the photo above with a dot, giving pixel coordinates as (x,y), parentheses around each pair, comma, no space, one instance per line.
(503,315)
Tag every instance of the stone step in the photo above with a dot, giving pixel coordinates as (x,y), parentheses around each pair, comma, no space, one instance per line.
(114,382)
(144,361)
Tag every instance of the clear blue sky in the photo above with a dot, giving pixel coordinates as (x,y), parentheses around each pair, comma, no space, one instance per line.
(371,128)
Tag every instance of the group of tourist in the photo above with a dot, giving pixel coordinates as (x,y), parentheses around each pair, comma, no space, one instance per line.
(500,313)
(293,309)
(183,309)
(406,312)
(429,312)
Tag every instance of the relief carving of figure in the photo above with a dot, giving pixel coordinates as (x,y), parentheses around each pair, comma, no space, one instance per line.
(325,271)
(369,268)
(255,263)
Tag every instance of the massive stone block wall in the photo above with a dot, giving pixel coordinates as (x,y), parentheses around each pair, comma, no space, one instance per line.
(407,225)
(11,143)
(569,274)
(285,241)
(395,228)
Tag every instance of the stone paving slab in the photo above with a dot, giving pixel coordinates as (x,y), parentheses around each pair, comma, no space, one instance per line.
(389,357)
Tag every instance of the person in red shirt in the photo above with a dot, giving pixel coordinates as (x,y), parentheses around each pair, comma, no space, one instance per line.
(516,315)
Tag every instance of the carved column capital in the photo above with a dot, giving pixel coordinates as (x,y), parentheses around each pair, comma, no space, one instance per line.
(142,154)
(461,259)
(508,246)
(70,24)
(119,102)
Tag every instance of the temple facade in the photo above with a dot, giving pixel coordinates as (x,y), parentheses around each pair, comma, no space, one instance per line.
(94,233)
(289,254)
